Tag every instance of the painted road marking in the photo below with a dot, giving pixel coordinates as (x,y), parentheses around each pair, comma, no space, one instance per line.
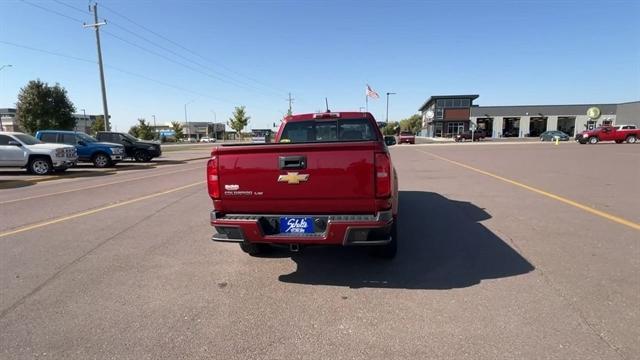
(95,186)
(90,212)
(586,208)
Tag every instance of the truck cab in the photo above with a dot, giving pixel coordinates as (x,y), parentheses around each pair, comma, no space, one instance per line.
(101,154)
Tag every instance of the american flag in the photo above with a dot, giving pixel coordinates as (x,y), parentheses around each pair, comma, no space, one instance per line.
(371,93)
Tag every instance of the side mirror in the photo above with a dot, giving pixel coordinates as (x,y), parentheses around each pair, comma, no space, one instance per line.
(14,143)
(82,143)
(390,140)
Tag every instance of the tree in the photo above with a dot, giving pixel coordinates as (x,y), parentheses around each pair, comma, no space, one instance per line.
(98,125)
(41,106)
(412,124)
(134,131)
(391,128)
(239,119)
(145,132)
(178,129)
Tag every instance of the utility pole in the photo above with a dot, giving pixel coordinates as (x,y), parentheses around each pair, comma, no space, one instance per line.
(290,102)
(96,25)
(389,93)
(84,116)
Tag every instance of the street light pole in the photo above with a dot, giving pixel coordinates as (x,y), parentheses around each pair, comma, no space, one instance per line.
(1,126)
(155,129)
(84,116)
(186,120)
(389,93)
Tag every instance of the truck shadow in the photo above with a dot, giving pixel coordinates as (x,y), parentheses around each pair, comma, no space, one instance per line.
(442,245)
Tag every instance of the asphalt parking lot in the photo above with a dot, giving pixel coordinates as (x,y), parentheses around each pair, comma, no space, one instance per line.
(507,251)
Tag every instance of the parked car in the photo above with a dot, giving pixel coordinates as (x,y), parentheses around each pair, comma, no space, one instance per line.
(139,150)
(22,150)
(406,137)
(619,134)
(552,135)
(286,192)
(511,133)
(207,140)
(468,135)
(101,154)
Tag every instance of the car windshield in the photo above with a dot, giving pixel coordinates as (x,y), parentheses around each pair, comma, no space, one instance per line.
(129,137)
(86,138)
(27,139)
(328,131)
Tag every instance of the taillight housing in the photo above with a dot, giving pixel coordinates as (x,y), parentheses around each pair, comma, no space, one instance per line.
(213,182)
(383,175)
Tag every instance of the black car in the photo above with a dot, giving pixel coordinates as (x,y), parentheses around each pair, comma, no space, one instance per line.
(477,135)
(551,136)
(137,149)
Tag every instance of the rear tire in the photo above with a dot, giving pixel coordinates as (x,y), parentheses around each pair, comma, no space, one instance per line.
(389,250)
(631,139)
(254,249)
(142,156)
(593,140)
(40,165)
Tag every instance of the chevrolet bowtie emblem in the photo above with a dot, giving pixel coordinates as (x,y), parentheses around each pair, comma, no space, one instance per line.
(293,178)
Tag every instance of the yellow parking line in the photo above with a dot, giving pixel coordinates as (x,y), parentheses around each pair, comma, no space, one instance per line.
(89,212)
(586,208)
(94,186)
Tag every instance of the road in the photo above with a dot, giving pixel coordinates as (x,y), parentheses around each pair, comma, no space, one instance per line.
(512,251)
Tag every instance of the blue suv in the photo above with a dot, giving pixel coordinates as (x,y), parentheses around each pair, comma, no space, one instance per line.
(101,154)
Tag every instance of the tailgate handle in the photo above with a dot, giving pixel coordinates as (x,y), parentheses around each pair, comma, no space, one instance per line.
(293,162)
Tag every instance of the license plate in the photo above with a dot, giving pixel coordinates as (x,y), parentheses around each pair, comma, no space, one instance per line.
(296,225)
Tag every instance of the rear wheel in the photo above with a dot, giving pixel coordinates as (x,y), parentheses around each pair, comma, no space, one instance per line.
(254,249)
(40,165)
(593,140)
(142,156)
(631,139)
(101,160)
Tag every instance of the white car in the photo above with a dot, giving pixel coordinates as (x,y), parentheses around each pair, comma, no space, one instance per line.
(207,140)
(22,150)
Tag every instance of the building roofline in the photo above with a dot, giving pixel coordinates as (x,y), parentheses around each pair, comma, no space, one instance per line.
(437,97)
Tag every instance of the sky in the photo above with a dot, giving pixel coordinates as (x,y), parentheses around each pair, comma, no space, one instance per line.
(215,55)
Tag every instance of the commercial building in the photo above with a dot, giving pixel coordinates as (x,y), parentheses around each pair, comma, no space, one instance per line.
(448,115)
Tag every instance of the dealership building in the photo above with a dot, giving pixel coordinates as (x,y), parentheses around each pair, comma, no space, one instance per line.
(448,115)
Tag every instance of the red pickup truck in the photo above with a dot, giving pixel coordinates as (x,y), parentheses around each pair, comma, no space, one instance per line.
(326,180)
(406,137)
(619,134)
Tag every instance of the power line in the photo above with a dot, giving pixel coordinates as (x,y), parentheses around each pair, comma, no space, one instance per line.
(127,72)
(190,51)
(51,11)
(84,12)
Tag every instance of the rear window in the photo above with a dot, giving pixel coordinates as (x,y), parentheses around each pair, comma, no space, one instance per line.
(328,131)
(48,137)
(405,133)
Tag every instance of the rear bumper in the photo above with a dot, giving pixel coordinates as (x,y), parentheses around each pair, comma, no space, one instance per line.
(344,230)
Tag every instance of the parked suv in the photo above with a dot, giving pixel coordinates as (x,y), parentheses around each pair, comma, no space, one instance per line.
(22,150)
(101,154)
(134,148)
(467,135)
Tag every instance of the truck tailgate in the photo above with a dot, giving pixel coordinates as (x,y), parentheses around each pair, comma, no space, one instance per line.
(321,178)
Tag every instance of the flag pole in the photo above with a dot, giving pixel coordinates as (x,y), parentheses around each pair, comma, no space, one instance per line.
(366,101)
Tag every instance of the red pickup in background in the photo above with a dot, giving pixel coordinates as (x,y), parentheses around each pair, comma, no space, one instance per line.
(326,180)
(619,134)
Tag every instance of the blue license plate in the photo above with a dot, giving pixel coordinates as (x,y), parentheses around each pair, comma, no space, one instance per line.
(296,225)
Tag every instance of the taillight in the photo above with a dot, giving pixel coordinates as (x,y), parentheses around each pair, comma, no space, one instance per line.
(383,175)
(213,183)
